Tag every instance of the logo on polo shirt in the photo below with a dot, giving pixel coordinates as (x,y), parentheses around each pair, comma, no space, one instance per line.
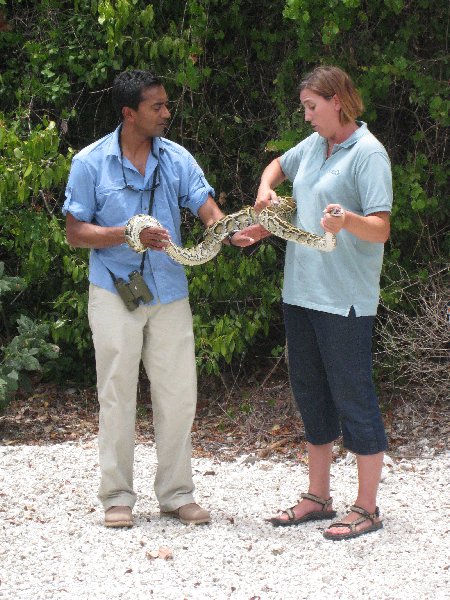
(334,171)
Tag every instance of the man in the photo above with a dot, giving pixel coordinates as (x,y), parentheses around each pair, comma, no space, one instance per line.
(134,171)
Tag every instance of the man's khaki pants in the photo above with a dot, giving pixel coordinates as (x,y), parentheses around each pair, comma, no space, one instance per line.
(162,336)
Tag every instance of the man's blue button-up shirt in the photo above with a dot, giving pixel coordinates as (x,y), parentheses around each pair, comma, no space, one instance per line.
(96,193)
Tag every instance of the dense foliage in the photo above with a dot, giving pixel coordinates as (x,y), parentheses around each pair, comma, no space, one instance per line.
(27,352)
(231,70)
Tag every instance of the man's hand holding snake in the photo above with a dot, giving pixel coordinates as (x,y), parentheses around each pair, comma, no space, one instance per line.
(155,238)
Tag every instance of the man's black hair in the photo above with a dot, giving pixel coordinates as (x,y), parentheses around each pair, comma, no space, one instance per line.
(128,87)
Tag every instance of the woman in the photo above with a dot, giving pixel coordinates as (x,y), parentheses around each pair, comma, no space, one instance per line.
(342,183)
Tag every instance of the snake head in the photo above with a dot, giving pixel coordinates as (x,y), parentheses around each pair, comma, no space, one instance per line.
(337,211)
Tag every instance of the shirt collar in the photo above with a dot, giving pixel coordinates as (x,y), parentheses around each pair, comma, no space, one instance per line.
(114,147)
(351,140)
(158,147)
(356,135)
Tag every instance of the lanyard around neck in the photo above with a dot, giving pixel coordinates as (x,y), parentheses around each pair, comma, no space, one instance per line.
(150,205)
(133,188)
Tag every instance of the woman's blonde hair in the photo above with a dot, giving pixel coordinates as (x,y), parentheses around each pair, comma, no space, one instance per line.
(330,81)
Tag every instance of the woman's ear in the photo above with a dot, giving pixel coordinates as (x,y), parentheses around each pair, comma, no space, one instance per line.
(336,103)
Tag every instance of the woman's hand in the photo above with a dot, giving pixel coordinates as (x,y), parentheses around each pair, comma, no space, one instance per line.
(371,228)
(266,197)
(271,178)
(333,219)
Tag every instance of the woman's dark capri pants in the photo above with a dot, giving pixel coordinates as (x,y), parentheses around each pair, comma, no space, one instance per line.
(330,369)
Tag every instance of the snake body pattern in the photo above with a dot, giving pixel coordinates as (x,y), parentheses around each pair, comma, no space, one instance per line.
(275,218)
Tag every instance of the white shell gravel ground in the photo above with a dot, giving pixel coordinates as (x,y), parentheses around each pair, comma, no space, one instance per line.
(53,544)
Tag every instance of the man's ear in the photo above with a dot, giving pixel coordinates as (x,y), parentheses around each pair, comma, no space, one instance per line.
(127,113)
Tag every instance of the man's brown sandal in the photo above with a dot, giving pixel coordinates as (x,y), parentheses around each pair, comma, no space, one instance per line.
(353,533)
(315,515)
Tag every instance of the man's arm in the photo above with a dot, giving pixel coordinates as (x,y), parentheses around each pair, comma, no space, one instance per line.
(209,213)
(87,235)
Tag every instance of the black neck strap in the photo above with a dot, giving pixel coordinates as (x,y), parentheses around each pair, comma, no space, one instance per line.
(152,197)
(150,206)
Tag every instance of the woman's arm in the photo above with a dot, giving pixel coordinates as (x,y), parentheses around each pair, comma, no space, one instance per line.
(271,178)
(372,228)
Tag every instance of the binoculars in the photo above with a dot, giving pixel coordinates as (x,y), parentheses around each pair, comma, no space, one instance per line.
(134,291)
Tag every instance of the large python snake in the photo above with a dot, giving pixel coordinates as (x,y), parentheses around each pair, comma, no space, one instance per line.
(275,218)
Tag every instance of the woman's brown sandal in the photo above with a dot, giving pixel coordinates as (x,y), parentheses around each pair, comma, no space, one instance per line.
(315,515)
(353,533)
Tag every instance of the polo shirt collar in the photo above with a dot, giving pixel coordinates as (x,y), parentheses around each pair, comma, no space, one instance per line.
(356,135)
(350,141)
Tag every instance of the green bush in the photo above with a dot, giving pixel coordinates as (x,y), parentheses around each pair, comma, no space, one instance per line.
(395,52)
(235,311)
(233,88)
(25,352)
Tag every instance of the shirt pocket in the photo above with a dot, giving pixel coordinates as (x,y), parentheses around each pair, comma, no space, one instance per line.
(115,204)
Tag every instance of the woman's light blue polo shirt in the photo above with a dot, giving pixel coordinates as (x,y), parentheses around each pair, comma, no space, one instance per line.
(96,193)
(357,176)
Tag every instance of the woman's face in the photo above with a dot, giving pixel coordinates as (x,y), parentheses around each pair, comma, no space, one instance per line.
(322,113)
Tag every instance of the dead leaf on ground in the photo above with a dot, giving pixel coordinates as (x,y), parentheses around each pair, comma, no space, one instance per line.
(264,452)
(164,552)
(55,414)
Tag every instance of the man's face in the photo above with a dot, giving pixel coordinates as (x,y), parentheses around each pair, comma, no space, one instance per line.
(152,116)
